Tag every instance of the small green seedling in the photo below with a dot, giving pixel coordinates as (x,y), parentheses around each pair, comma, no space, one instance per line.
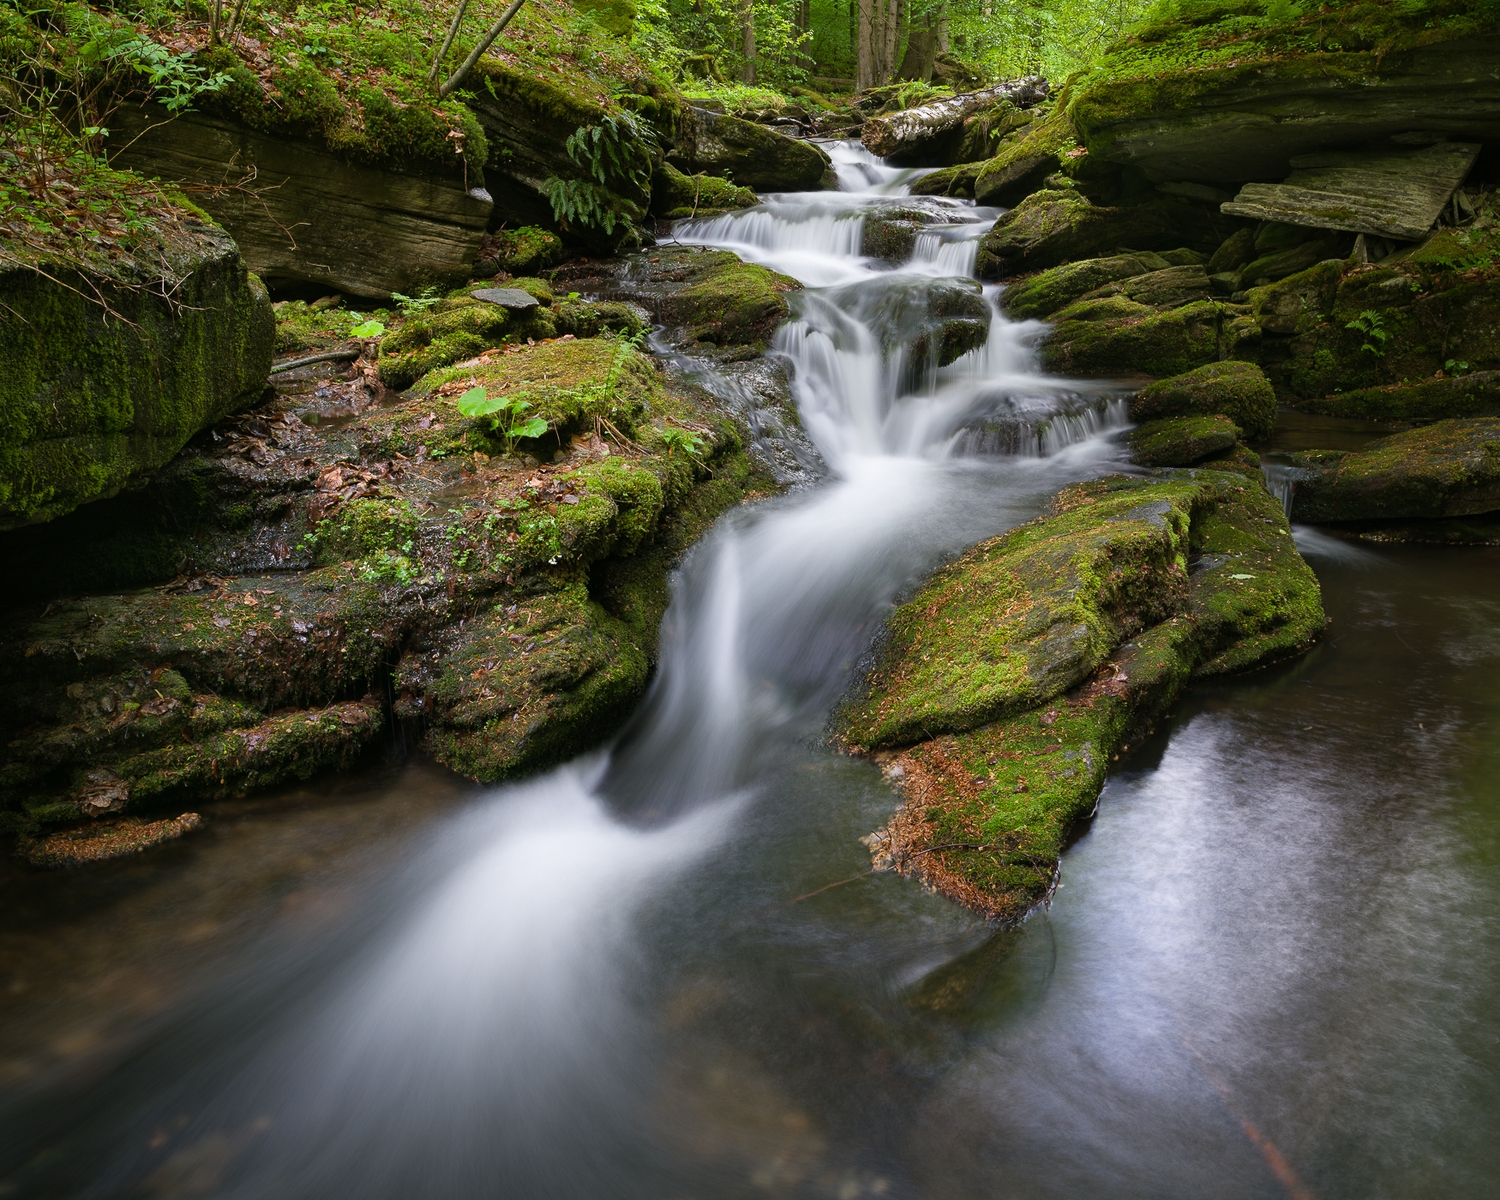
(507,415)
(681,439)
(1455,366)
(368,329)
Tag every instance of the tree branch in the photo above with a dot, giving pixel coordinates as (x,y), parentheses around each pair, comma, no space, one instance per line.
(437,62)
(478,52)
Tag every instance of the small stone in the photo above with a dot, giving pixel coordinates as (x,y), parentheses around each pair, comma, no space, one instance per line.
(510,299)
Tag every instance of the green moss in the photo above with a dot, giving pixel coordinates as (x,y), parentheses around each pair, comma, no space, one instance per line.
(1237,390)
(724,300)
(1117,336)
(1020,167)
(1182,441)
(1473,395)
(91,404)
(675,195)
(989,810)
(1025,616)
(1052,290)
(523,251)
(1448,469)
(363,528)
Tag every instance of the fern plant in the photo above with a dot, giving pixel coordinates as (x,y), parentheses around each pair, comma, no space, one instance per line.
(579,202)
(617,151)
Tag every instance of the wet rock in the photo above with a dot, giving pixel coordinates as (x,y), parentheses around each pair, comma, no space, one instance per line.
(891,233)
(1052,290)
(100,843)
(523,251)
(313,217)
(933,320)
(1236,390)
(949,181)
(1055,226)
(1021,167)
(1474,395)
(707,296)
(1116,335)
(749,155)
(1449,469)
(512,300)
(93,406)
(987,810)
(676,196)
(1182,441)
(1167,288)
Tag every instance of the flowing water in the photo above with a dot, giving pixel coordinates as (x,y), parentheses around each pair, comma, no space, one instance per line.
(663,971)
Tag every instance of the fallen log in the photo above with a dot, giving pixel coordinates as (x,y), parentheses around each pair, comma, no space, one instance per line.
(922,133)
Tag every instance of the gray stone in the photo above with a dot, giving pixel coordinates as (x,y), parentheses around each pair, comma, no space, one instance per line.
(1396,193)
(312,217)
(510,299)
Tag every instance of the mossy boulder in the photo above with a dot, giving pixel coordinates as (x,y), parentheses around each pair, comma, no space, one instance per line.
(1023,617)
(1058,225)
(1021,167)
(1052,290)
(891,233)
(107,378)
(675,196)
(1182,441)
(988,809)
(523,251)
(1449,469)
(949,181)
(1116,336)
(1474,395)
(707,296)
(749,155)
(1237,390)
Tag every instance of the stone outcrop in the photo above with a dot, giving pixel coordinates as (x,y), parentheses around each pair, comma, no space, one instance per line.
(305,215)
(1008,681)
(749,155)
(107,378)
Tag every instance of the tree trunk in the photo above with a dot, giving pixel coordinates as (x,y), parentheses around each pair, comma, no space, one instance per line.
(892,38)
(864,76)
(907,133)
(942,29)
(747,41)
(920,49)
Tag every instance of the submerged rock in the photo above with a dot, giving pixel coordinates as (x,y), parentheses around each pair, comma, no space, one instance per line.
(1450,469)
(934,321)
(98,399)
(989,806)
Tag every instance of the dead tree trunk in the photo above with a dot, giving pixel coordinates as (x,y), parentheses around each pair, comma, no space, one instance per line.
(909,133)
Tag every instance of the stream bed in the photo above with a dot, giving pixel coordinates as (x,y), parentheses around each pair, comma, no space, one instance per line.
(665,969)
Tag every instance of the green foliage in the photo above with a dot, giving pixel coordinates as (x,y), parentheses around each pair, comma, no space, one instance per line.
(579,202)
(368,329)
(507,415)
(415,306)
(675,439)
(1372,325)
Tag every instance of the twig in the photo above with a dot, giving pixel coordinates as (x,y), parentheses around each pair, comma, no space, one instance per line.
(827,886)
(345,355)
(478,52)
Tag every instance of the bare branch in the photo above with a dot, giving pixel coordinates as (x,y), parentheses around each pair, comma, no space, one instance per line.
(437,62)
(478,52)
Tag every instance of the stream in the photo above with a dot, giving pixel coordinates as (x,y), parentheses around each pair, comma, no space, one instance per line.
(663,970)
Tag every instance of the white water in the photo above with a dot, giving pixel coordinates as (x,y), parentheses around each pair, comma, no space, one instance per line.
(485,1042)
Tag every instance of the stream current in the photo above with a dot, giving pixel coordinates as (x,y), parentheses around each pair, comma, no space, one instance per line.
(1271,969)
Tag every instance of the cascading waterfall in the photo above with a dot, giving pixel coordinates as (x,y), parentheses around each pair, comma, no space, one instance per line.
(490,1005)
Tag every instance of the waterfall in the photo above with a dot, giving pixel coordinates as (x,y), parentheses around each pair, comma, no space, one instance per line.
(487,1032)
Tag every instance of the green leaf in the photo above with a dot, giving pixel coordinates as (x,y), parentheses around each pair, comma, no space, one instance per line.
(532,428)
(369,329)
(476,402)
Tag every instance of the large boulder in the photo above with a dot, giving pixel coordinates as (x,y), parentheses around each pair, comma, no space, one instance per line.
(1476,395)
(1116,336)
(675,196)
(312,216)
(1450,469)
(1202,94)
(1021,669)
(750,155)
(1182,441)
(1237,390)
(1052,290)
(1060,225)
(931,321)
(108,377)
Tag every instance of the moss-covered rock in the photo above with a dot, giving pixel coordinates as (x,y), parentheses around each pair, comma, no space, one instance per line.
(107,378)
(1117,336)
(523,251)
(309,559)
(1449,469)
(1021,167)
(988,810)
(749,155)
(1475,395)
(1052,290)
(1058,225)
(949,181)
(675,196)
(1182,441)
(1237,390)
(707,296)
(891,233)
